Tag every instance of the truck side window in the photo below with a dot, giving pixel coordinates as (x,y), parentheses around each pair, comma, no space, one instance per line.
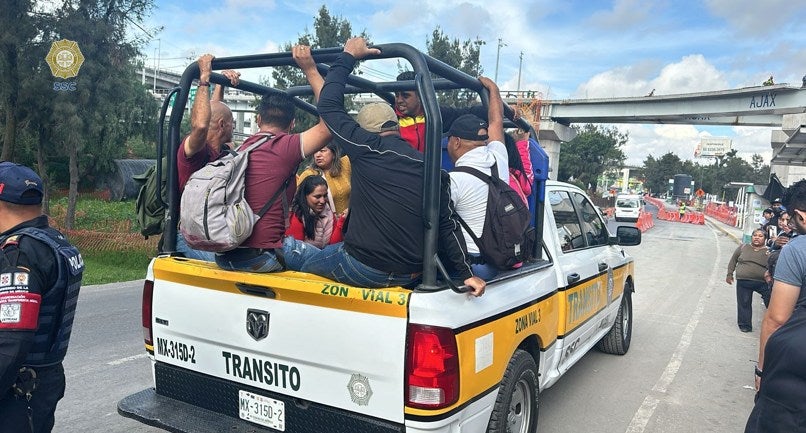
(569,231)
(592,224)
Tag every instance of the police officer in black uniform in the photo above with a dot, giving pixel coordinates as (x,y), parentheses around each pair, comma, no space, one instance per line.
(40,276)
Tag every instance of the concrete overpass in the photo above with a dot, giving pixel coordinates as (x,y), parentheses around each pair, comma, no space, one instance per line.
(781,107)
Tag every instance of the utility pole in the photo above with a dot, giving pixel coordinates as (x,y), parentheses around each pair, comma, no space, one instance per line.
(497,56)
(157,54)
(520,65)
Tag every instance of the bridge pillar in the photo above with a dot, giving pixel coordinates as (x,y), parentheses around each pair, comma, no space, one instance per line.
(790,138)
(550,136)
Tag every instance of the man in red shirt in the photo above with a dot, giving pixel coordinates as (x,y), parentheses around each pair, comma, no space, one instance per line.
(272,167)
(211,128)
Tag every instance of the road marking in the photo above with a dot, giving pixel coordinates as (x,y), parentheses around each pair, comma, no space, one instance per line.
(127,359)
(647,408)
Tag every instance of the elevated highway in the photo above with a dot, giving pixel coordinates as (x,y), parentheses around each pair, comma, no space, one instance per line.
(781,107)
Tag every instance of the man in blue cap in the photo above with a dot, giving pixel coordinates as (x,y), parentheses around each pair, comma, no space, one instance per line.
(40,276)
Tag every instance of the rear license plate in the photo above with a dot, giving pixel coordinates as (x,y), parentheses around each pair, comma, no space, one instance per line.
(261,410)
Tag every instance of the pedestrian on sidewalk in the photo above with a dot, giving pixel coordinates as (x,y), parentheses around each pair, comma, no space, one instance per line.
(781,370)
(749,261)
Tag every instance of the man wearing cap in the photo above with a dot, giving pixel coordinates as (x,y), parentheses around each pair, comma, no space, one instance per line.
(40,276)
(468,147)
(384,244)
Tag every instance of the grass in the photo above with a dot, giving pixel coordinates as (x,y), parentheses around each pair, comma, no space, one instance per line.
(112,267)
(109,240)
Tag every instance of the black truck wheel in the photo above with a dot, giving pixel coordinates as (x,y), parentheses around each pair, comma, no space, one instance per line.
(617,341)
(515,409)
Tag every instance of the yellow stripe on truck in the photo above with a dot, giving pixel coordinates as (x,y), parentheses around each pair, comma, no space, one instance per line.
(485,349)
(287,286)
(582,302)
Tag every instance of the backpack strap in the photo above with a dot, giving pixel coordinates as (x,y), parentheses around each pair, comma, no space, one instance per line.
(266,137)
(486,179)
(268,204)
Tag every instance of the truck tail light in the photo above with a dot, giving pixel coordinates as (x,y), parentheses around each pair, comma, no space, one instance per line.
(148,294)
(432,367)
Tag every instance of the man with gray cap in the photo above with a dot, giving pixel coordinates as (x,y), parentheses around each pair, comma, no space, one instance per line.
(384,245)
(40,276)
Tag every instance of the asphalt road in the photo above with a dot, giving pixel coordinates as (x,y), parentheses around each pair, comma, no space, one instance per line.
(689,368)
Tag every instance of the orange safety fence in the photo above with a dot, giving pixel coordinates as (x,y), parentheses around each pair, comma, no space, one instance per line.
(722,212)
(690,216)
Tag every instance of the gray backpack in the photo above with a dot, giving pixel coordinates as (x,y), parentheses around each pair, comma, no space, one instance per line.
(214,215)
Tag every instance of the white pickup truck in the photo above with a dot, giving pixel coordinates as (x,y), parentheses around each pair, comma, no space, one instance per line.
(293,352)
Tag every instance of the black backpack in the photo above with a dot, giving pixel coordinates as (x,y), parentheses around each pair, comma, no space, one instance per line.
(507,238)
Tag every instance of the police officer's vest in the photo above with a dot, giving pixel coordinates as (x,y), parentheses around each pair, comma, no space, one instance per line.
(56,312)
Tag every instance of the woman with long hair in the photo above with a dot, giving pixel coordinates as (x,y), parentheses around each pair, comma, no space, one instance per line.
(520,177)
(312,220)
(335,169)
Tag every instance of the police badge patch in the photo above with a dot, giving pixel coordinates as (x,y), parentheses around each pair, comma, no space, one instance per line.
(360,391)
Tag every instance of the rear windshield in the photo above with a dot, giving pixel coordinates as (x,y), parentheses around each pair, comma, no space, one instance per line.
(627,202)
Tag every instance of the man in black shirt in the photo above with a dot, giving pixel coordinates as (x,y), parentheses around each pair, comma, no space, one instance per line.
(384,244)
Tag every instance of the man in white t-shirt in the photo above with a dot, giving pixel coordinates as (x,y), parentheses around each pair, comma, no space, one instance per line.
(472,142)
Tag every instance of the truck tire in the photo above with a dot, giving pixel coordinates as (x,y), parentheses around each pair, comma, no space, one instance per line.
(515,409)
(617,341)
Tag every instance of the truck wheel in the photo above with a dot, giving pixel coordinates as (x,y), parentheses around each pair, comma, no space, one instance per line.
(515,409)
(617,341)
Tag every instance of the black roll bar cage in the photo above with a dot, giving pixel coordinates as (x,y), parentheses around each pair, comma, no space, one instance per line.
(423,66)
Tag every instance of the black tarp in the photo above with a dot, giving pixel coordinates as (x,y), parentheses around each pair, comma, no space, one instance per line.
(775,189)
(120,183)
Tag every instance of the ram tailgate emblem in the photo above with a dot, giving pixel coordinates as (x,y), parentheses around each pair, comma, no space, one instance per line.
(257,324)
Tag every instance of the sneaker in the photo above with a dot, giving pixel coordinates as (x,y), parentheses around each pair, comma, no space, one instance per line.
(745,328)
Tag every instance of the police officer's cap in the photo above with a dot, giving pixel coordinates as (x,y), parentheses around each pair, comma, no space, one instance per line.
(19,184)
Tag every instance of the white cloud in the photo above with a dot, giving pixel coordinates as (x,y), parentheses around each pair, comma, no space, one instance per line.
(625,13)
(758,18)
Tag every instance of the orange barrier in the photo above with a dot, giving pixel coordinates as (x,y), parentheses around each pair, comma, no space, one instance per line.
(722,212)
(644,221)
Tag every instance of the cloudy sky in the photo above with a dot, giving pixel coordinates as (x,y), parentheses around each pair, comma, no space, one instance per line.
(571,49)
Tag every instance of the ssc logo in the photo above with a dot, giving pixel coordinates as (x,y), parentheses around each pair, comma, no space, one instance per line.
(64,59)
(360,391)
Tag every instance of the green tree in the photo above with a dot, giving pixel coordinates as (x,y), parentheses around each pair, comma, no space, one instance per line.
(594,150)
(80,132)
(329,31)
(464,56)
(17,37)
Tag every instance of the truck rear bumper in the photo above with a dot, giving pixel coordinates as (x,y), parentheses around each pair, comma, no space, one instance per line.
(212,403)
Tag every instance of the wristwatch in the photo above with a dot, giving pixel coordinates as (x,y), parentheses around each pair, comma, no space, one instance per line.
(758,371)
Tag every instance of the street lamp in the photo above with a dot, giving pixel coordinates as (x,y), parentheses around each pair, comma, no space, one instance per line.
(520,66)
(497,56)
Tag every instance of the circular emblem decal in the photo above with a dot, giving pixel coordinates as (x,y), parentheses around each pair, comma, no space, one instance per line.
(64,59)
(360,391)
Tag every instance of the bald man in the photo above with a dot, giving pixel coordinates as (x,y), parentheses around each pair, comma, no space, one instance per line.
(211,126)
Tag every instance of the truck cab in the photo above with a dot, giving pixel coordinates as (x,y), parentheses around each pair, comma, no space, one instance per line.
(294,352)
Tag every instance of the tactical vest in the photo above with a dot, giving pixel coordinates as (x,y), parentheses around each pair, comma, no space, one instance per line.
(58,306)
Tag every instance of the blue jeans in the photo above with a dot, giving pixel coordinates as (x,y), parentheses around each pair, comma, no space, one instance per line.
(335,263)
(484,271)
(183,247)
(294,252)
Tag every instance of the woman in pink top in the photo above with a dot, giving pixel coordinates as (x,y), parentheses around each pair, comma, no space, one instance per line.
(521,176)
